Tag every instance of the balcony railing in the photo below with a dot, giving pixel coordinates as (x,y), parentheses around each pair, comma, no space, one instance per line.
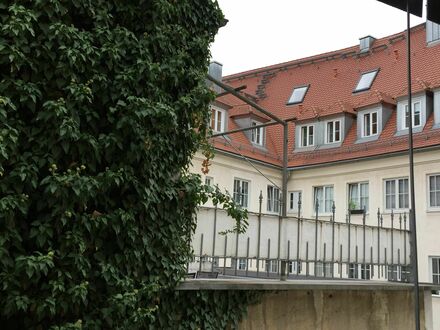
(299,247)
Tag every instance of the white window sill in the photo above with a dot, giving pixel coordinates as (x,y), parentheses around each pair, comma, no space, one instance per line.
(433,210)
(396,211)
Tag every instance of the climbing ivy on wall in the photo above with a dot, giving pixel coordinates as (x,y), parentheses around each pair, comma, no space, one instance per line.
(102,105)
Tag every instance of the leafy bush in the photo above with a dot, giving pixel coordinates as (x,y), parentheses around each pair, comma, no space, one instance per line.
(102,105)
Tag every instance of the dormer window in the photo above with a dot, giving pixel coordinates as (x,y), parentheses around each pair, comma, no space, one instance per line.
(307,136)
(333,131)
(432,32)
(298,95)
(365,81)
(218,119)
(416,114)
(369,124)
(257,134)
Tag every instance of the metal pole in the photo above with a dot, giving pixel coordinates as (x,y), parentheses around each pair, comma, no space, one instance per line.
(285,156)
(414,258)
(259,232)
(316,237)
(297,235)
(333,240)
(214,234)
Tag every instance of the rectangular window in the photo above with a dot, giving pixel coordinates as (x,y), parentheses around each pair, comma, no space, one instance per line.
(218,119)
(272,266)
(273,199)
(241,192)
(324,196)
(365,81)
(298,95)
(434,191)
(396,194)
(353,270)
(294,198)
(369,124)
(293,267)
(416,112)
(435,263)
(209,181)
(333,129)
(307,136)
(323,269)
(242,263)
(365,271)
(432,31)
(358,196)
(257,134)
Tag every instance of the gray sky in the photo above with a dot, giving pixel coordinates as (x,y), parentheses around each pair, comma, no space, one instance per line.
(264,32)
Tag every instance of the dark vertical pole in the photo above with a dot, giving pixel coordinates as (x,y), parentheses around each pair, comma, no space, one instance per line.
(363,239)
(323,260)
(307,258)
(288,256)
(224,255)
(316,236)
(268,262)
(412,215)
(247,256)
(392,244)
(333,240)
(280,220)
(340,260)
(236,254)
(259,233)
(297,234)
(285,156)
(201,252)
(214,234)
(349,243)
(378,242)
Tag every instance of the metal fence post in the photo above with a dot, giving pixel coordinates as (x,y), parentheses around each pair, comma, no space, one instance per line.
(260,199)
(333,240)
(316,236)
(297,234)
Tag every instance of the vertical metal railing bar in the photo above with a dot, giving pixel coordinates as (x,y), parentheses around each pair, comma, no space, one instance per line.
(288,257)
(378,242)
(392,246)
(201,252)
(324,260)
(268,261)
(260,199)
(280,219)
(404,238)
(316,235)
(364,215)
(236,253)
(247,256)
(307,258)
(349,242)
(224,255)
(333,240)
(298,233)
(381,226)
(340,260)
(371,262)
(356,264)
(386,264)
(214,234)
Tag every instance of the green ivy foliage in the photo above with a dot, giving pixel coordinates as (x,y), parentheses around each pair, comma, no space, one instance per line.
(102,105)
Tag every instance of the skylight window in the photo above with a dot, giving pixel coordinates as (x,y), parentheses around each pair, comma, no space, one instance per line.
(298,94)
(366,81)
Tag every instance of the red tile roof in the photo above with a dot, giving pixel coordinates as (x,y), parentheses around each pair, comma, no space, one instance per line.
(332,78)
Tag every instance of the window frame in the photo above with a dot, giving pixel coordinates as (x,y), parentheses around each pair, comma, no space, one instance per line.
(273,204)
(405,111)
(210,179)
(356,90)
(293,210)
(324,210)
(428,188)
(241,194)
(434,273)
(334,131)
(396,193)
(215,122)
(257,134)
(306,87)
(301,144)
(359,197)
(371,123)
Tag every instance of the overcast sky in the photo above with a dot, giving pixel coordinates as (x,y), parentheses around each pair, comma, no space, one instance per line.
(265,32)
